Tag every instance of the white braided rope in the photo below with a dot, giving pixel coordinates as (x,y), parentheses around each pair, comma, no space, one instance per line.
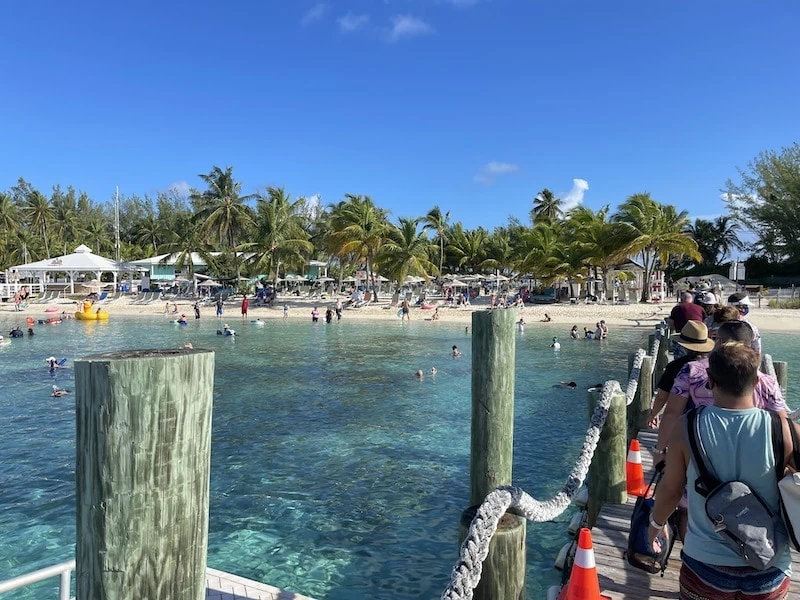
(633,380)
(467,571)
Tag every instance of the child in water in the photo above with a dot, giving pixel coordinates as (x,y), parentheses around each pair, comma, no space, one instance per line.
(555,345)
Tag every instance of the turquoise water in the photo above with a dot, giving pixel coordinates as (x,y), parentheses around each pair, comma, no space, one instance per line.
(335,473)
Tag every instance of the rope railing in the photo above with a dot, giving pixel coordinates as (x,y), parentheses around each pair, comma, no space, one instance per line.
(467,571)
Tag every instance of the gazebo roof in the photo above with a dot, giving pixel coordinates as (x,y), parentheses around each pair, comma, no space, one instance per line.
(81,260)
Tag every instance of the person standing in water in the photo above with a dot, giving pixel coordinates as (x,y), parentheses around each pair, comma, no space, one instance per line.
(555,345)
(196,310)
(285,311)
(245,305)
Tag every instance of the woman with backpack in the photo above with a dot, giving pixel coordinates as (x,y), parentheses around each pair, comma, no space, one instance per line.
(734,442)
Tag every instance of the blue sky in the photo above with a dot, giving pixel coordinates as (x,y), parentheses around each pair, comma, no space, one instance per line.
(472,105)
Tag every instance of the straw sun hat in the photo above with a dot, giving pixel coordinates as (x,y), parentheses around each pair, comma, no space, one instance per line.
(694,337)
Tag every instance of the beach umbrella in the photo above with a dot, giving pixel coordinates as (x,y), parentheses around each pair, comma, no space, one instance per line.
(209,283)
(457,283)
(324,279)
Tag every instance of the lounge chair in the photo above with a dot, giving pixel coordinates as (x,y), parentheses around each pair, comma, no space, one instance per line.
(395,301)
(102,296)
(113,298)
(42,297)
(367,299)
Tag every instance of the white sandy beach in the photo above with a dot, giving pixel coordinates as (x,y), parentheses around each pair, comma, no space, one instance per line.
(582,315)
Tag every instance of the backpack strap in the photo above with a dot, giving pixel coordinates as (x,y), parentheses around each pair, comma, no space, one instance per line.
(795,444)
(706,480)
(777,444)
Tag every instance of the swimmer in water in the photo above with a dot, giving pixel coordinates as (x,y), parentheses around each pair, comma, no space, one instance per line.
(567,384)
(433,371)
(52,364)
(574,332)
(456,352)
(188,346)
(521,325)
(555,345)
(419,374)
(30,331)
(58,392)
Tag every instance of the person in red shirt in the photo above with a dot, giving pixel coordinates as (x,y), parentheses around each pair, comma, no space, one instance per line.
(686,311)
(245,304)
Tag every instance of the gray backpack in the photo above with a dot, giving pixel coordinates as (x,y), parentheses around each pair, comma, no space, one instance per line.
(739,515)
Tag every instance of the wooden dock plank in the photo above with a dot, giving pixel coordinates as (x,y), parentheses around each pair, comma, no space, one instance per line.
(619,580)
(225,586)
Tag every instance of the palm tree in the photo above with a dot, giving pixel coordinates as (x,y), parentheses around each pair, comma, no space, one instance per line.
(656,231)
(704,234)
(727,235)
(538,249)
(9,216)
(439,222)
(359,228)
(184,243)
(98,235)
(149,232)
(468,247)
(279,231)
(66,223)
(406,251)
(40,214)
(546,207)
(223,212)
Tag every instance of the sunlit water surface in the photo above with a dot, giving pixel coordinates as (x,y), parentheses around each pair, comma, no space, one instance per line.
(335,473)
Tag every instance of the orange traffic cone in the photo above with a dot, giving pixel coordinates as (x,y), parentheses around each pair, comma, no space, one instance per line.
(583,583)
(633,470)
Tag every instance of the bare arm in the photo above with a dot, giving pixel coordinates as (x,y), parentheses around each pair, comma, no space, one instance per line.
(658,403)
(671,487)
(675,407)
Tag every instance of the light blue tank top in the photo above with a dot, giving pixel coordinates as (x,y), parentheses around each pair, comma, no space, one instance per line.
(739,446)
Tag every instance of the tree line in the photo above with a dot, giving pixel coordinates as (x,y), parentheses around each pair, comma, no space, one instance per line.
(271,233)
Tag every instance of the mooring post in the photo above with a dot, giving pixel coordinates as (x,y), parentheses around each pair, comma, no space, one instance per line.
(662,358)
(142,474)
(606,478)
(639,410)
(782,375)
(492,447)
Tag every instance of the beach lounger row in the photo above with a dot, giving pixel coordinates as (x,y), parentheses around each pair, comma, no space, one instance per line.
(46,297)
(146,298)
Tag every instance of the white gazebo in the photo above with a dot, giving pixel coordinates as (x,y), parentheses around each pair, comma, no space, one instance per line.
(80,261)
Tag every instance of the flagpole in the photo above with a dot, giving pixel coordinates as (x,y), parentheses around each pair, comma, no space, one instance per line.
(116,223)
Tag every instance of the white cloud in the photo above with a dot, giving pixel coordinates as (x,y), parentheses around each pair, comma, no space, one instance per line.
(406,26)
(313,14)
(574,197)
(350,22)
(726,197)
(181,188)
(494,169)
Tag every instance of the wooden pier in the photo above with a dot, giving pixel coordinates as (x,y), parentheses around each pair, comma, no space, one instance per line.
(619,580)
(224,586)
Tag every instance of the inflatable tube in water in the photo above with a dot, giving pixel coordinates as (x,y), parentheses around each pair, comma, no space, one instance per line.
(563,554)
(576,523)
(30,321)
(581,499)
(62,362)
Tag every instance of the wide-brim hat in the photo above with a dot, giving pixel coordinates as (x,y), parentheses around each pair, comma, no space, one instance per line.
(739,299)
(694,337)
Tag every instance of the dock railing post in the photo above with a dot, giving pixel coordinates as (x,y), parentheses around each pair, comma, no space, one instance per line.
(492,447)
(606,478)
(661,358)
(142,474)
(639,410)
(782,375)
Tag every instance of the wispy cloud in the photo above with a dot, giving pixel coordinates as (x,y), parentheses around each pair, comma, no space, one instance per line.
(574,197)
(314,14)
(493,169)
(181,188)
(351,22)
(406,26)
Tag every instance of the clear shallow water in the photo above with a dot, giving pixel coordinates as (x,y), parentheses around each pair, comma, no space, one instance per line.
(335,473)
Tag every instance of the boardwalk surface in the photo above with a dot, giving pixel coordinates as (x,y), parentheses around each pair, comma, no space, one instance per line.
(224,586)
(618,579)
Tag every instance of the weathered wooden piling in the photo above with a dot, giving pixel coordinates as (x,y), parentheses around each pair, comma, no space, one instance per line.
(142,474)
(639,410)
(606,478)
(782,375)
(661,357)
(492,447)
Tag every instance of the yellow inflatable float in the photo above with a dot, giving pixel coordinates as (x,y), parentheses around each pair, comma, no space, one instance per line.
(88,315)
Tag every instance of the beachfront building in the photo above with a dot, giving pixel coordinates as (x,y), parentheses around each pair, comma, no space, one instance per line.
(66,269)
(163,266)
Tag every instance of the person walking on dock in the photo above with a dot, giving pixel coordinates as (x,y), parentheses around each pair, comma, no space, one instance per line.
(737,442)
